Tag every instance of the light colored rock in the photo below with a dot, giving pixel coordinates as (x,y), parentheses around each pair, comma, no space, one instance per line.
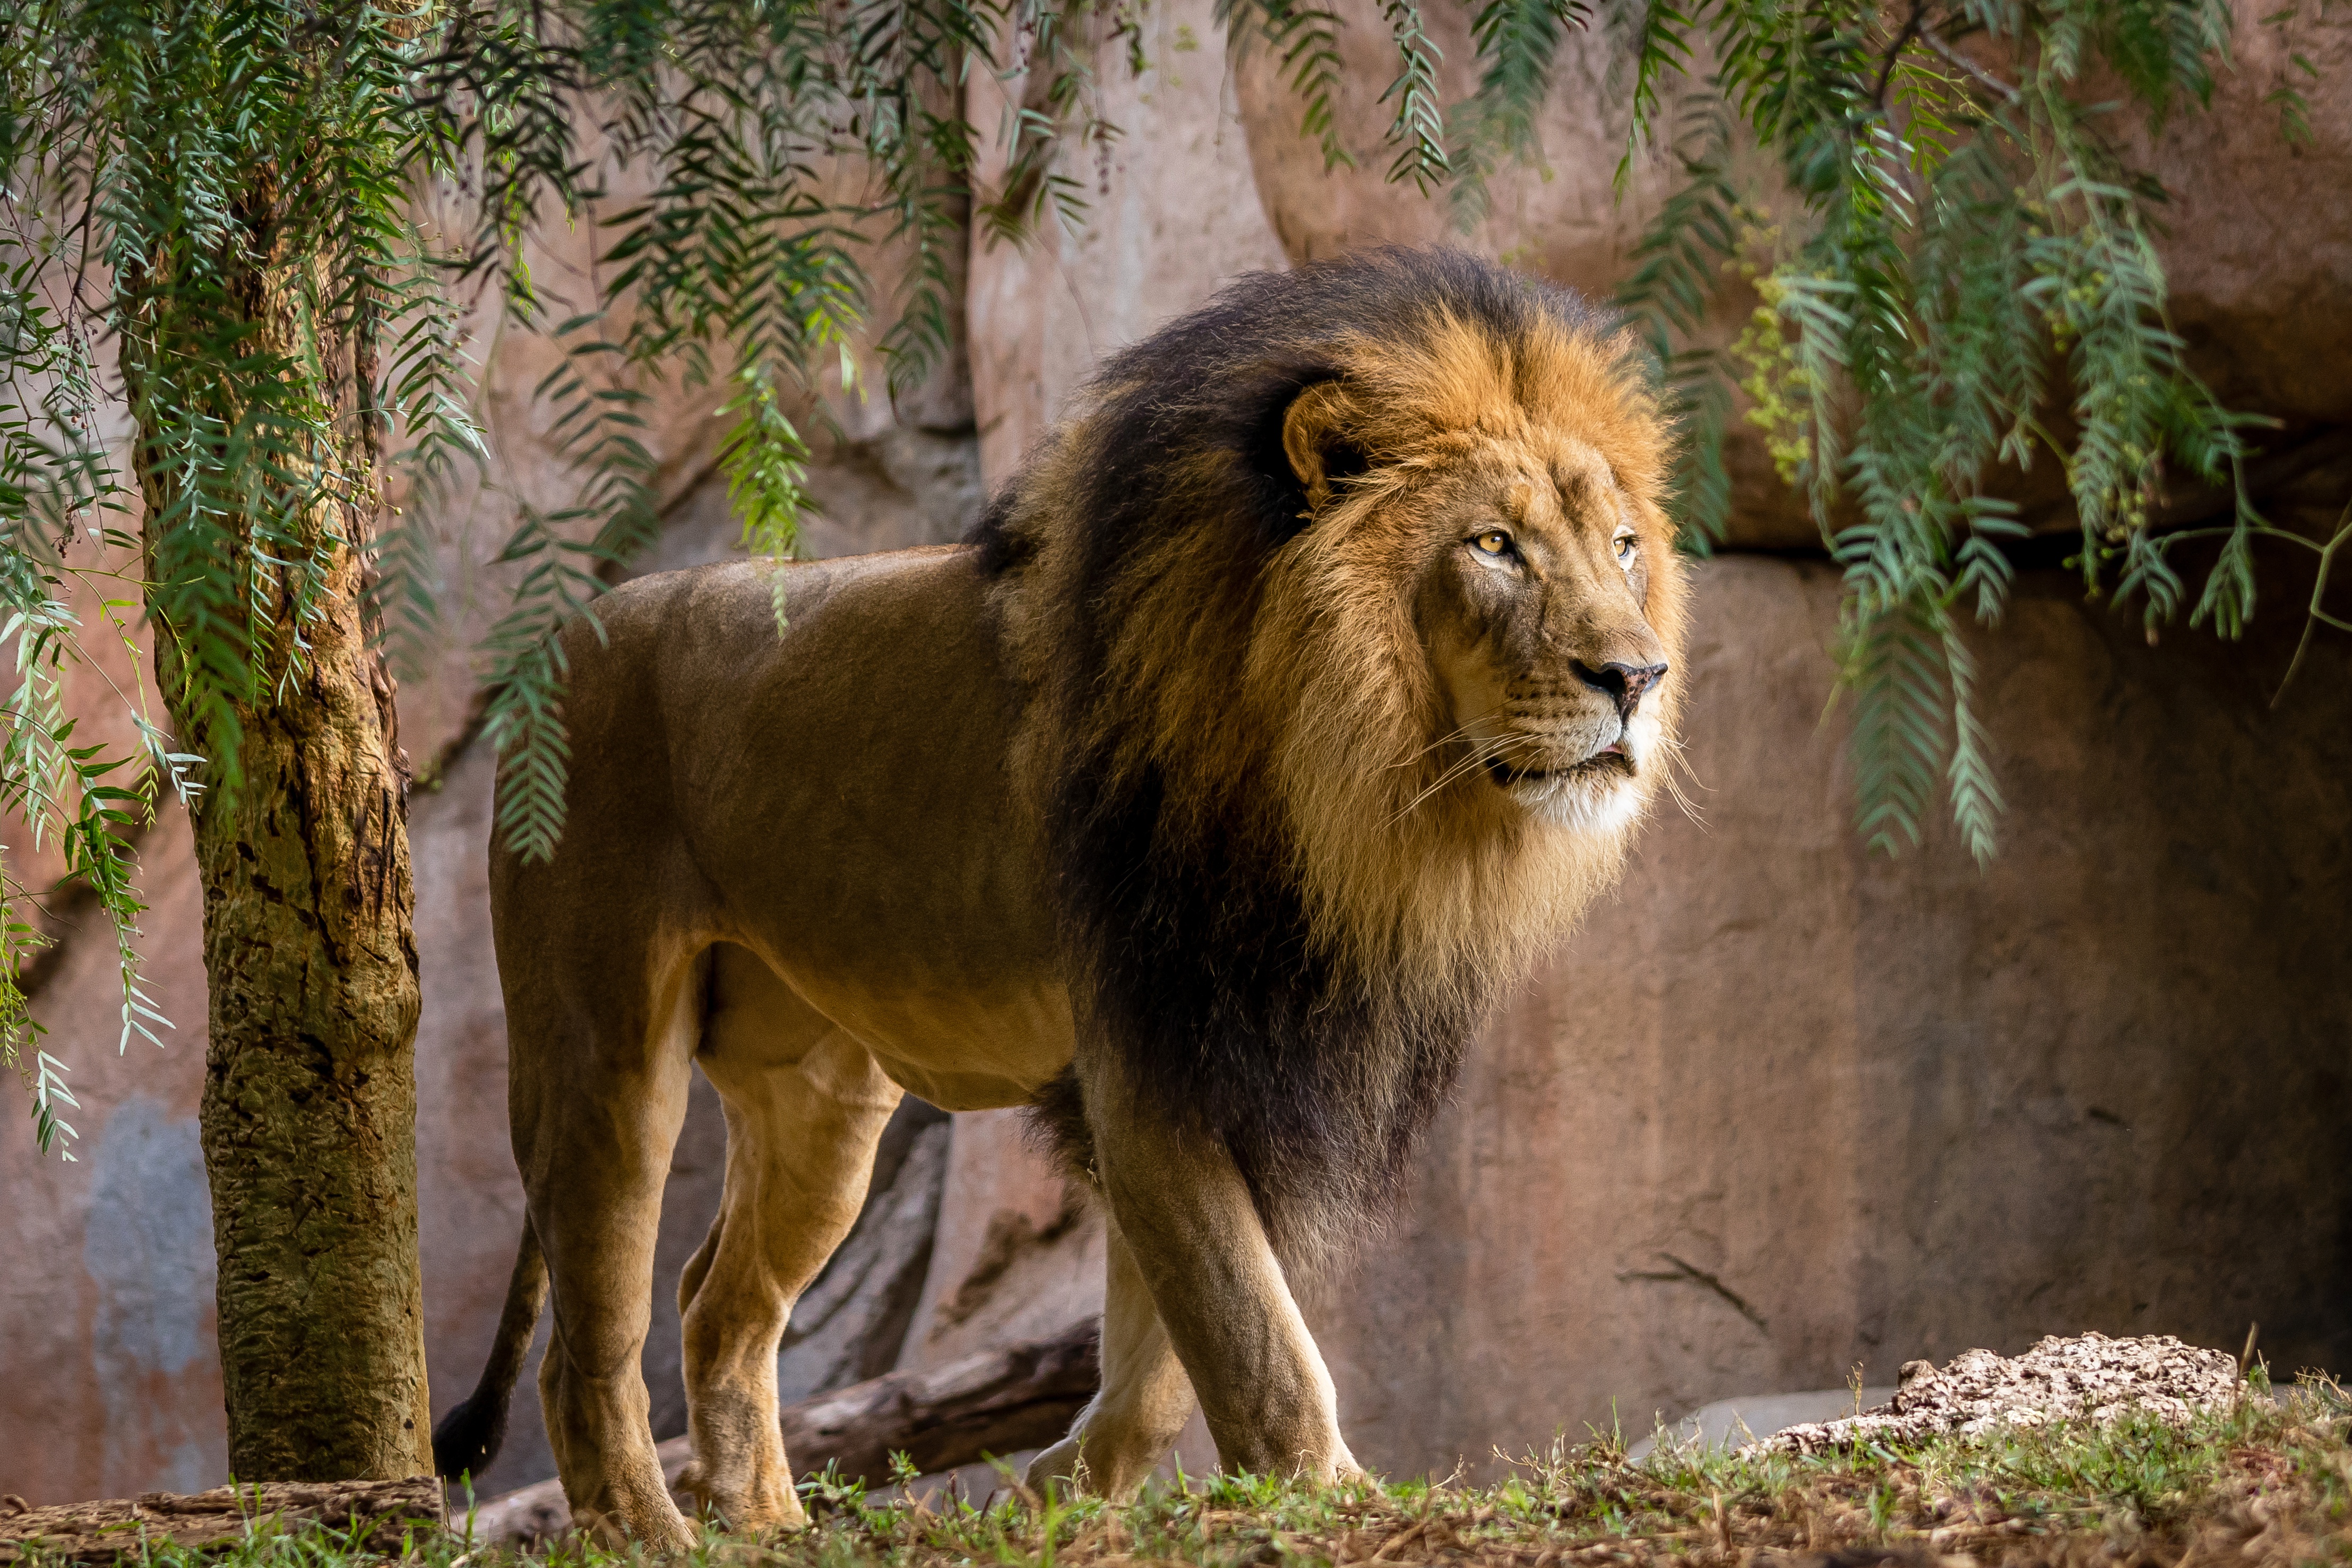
(2089,1377)
(1018,1254)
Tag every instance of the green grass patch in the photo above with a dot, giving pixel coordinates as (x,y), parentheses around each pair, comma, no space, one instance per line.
(2262,1486)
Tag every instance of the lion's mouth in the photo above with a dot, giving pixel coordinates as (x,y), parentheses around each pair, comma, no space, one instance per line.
(1609,759)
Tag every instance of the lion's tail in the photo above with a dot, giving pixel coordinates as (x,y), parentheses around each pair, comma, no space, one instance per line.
(468,1438)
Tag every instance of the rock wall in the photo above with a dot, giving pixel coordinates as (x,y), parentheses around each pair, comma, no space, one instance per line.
(1172,211)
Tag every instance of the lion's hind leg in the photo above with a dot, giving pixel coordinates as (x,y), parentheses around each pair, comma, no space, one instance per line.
(595,1124)
(1146,1398)
(805,1105)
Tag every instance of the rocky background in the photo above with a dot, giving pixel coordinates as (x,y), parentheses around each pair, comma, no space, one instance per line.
(1782,1109)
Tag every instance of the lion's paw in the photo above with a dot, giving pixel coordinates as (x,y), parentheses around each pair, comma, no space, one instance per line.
(751,1510)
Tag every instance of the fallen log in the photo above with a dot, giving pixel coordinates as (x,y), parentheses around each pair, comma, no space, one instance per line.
(376,1514)
(999,1402)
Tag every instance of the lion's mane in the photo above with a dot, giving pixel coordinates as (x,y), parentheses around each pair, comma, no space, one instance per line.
(1279,919)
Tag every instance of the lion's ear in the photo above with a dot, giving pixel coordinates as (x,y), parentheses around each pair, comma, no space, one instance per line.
(1315,438)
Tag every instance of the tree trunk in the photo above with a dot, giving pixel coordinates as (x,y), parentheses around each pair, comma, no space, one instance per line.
(309,1100)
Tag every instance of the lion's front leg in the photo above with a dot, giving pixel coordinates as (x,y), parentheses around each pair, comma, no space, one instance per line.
(1145,1401)
(1200,1250)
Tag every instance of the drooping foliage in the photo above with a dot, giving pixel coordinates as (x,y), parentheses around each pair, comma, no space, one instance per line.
(159,157)
(1969,282)
(139,146)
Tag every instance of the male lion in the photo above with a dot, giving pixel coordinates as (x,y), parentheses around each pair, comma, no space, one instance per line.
(1302,688)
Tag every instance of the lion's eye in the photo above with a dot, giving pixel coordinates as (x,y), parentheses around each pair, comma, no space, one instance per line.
(1624,544)
(1494,542)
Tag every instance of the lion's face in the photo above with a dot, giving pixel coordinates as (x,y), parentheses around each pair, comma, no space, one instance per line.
(1532,609)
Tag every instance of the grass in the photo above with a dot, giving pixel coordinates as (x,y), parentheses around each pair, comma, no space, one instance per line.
(2262,1486)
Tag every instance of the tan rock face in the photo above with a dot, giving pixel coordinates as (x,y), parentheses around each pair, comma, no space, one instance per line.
(2259,244)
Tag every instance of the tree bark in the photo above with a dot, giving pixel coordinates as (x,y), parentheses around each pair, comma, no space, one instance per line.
(378,1515)
(310,1101)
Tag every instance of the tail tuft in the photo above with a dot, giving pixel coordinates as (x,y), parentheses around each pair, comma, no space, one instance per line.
(469,1437)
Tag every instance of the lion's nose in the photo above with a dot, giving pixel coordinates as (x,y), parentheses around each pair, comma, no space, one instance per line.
(1625,683)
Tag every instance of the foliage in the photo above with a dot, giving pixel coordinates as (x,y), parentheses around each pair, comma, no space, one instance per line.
(1969,282)
(129,138)
(2267,1485)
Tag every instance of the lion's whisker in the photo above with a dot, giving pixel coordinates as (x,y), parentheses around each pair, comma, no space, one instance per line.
(1477,755)
(1457,732)
(1675,758)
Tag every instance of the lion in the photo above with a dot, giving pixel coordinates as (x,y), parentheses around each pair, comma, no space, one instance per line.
(1306,683)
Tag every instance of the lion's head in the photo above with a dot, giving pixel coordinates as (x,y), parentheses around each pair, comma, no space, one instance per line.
(1499,495)
(1351,618)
